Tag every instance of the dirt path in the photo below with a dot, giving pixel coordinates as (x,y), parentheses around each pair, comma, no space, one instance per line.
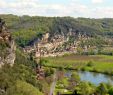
(52,88)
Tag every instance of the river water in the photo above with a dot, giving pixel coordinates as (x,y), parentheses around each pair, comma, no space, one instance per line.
(92,77)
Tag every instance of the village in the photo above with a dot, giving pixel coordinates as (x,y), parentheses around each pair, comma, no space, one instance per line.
(55,47)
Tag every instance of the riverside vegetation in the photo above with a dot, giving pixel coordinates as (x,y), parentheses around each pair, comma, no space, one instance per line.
(74,86)
(93,63)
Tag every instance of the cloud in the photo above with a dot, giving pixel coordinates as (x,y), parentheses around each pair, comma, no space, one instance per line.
(103,12)
(33,7)
(18,4)
(97,1)
(74,8)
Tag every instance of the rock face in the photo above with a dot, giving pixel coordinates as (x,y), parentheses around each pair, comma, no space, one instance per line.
(9,49)
(11,56)
(10,59)
(56,45)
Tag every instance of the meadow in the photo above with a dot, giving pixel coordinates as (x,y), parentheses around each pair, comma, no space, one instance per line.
(94,63)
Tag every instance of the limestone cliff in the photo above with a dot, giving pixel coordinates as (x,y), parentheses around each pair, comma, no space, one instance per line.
(10,58)
(7,46)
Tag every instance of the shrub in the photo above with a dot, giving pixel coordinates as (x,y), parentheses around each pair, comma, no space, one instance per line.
(90,64)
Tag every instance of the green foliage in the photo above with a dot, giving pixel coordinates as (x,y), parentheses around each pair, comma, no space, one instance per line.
(23,37)
(75,77)
(49,71)
(62,83)
(90,64)
(73,81)
(3,49)
(10,75)
(21,58)
(44,61)
(23,88)
(110,91)
(102,89)
(94,63)
(21,78)
(83,88)
(26,29)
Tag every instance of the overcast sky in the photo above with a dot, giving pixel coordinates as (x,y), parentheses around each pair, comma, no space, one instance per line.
(74,8)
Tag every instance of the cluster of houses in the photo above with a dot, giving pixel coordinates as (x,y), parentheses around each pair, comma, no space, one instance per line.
(54,47)
(47,48)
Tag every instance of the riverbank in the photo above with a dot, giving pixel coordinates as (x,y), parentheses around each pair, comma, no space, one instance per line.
(92,63)
(80,83)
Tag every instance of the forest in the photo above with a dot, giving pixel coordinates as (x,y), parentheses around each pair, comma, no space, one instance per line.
(26,29)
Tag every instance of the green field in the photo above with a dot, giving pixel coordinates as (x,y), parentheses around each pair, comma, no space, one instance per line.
(95,63)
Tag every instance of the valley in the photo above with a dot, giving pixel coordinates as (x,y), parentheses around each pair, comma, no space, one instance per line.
(55,56)
(90,68)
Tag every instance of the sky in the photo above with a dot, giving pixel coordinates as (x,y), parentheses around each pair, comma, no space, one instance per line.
(73,8)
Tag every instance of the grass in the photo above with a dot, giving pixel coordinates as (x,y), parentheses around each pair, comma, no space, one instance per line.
(62,91)
(95,63)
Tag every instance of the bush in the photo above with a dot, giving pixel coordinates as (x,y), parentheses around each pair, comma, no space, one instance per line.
(23,88)
(84,87)
(90,64)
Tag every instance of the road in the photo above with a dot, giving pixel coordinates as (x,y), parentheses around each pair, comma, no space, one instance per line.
(52,88)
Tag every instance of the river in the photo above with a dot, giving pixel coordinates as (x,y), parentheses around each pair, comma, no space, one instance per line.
(92,77)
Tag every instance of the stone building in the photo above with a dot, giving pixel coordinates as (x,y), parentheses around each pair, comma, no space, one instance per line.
(45,37)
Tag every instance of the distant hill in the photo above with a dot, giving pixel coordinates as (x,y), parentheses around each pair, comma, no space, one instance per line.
(25,28)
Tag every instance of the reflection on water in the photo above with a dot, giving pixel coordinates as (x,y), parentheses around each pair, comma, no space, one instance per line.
(92,77)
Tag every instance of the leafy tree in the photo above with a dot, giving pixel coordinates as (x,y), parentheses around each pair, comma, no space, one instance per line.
(74,80)
(102,89)
(84,88)
(23,88)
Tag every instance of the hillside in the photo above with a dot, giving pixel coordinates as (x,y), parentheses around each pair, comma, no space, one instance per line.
(25,29)
(18,74)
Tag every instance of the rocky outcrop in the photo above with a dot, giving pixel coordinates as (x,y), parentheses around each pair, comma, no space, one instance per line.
(10,47)
(11,56)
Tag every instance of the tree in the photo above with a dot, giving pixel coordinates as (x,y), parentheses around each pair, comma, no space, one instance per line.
(110,91)
(23,88)
(84,88)
(74,80)
(102,89)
